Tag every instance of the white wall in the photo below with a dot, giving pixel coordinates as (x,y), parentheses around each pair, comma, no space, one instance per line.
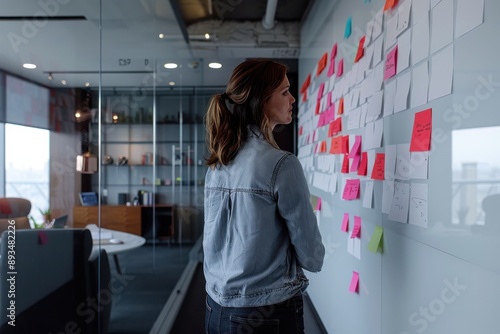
(435,279)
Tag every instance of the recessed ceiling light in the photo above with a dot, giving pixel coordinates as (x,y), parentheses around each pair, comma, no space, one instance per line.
(87,84)
(170,65)
(207,35)
(29,66)
(161,36)
(215,65)
(171,83)
(63,82)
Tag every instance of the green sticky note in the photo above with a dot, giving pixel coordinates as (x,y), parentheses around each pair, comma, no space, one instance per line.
(375,241)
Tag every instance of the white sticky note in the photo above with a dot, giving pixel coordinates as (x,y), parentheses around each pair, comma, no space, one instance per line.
(400,202)
(402,91)
(419,204)
(387,195)
(441,74)
(470,14)
(389,97)
(419,8)
(419,165)
(368,195)
(404,46)
(419,85)
(390,162)
(403,162)
(442,25)
(420,40)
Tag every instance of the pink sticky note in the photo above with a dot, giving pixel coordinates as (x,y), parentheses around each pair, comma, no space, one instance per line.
(356,229)
(318,205)
(351,190)
(391,63)
(345,223)
(340,68)
(354,282)
(42,238)
(321,91)
(356,147)
(355,163)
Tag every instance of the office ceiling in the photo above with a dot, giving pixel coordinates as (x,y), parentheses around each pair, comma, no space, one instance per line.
(76,40)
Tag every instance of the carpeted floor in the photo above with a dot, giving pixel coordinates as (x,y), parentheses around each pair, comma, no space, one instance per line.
(149,274)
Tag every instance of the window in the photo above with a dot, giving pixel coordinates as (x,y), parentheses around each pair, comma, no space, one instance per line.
(27,166)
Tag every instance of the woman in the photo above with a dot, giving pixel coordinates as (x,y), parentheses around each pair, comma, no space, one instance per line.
(260,229)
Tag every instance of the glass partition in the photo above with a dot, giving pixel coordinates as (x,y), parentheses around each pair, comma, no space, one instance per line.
(111,97)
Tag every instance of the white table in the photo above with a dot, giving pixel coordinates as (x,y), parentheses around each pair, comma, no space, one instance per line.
(127,241)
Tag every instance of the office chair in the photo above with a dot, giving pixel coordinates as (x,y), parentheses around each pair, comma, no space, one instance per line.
(14,209)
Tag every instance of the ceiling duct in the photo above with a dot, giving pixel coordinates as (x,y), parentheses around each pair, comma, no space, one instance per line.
(268,19)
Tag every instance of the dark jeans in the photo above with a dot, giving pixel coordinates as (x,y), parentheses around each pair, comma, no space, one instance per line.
(286,317)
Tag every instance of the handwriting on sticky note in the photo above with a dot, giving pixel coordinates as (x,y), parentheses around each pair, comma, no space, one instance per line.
(353,287)
(345,223)
(391,63)
(379,167)
(422,129)
(351,189)
(356,229)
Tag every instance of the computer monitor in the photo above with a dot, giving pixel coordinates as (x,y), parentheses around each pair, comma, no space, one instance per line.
(88,198)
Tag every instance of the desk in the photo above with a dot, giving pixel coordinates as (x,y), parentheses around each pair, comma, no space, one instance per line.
(129,241)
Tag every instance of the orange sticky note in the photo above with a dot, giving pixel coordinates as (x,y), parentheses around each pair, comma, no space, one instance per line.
(340,108)
(353,287)
(345,223)
(378,171)
(422,129)
(323,148)
(356,230)
(351,189)
(391,63)
(361,48)
(322,64)
(336,145)
(305,84)
(389,4)
(340,68)
(363,164)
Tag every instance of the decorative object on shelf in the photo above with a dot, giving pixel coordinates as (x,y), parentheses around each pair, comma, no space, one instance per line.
(86,163)
(108,160)
(47,216)
(122,160)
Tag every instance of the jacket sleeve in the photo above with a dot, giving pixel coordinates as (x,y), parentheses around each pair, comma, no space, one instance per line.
(293,201)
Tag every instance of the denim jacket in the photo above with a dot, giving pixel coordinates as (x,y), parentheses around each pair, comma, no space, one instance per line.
(260,229)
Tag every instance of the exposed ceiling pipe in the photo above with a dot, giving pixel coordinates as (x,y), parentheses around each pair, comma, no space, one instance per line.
(268,19)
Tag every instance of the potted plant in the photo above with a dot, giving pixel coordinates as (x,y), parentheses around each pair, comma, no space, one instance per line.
(47,215)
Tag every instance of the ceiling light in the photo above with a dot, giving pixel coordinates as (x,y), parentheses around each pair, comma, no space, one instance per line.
(161,36)
(87,84)
(29,66)
(207,35)
(215,65)
(171,83)
(63,82)
(170,65)
(50,77)
(77,114)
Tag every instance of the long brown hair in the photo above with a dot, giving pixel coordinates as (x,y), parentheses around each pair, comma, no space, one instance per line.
(229,114)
